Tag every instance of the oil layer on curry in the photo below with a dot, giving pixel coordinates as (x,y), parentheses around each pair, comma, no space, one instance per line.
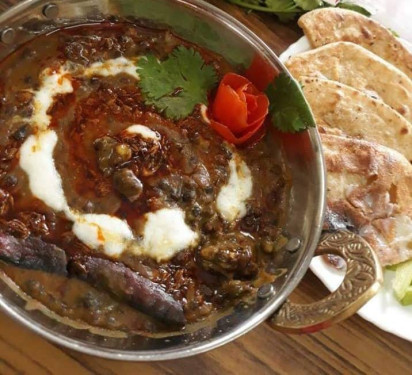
(122,208)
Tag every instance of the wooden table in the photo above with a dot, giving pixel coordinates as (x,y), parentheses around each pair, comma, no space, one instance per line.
(354,346)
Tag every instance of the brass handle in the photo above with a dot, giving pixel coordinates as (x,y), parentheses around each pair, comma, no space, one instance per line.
(362,281)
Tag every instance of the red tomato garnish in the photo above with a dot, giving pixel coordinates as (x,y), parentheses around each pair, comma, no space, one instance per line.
(261,73)
(239,109)
(227,134)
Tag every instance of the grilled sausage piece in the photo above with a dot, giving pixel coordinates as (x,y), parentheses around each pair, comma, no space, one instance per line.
(122,282)
(116,278)
(32,253)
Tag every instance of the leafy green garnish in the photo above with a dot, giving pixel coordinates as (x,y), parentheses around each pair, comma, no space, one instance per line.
(271,6)
(280,5)
(174,86)
(309,4)
(354,7)
(285,17)
(287,10)
(288,109)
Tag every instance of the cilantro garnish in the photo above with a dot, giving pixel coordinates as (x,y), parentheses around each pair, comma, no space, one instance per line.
(287,10)
(288,109)
(354,7)
(309,4)
(174,86)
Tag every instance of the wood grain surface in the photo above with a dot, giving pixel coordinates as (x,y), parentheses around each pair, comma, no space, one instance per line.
(352,347)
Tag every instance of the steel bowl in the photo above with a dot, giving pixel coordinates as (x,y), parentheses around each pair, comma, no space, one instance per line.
(209,27)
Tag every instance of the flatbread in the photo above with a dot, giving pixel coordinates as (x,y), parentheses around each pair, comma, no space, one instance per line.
(324,26)
(369,187)
(342,110)
(359,68)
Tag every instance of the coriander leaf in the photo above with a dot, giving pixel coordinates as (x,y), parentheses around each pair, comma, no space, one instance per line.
(281,5)
(286,17)
(251,4)
(271,6)
(176,84)
(309,4)
(289,110)
(286,10)
(355,8)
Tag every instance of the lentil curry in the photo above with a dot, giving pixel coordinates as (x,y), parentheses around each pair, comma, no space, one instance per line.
(114,214)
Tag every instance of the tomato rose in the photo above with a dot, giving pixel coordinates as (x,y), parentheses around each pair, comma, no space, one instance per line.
(239,109)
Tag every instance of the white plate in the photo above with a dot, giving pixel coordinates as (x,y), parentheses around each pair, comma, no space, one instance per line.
(383,310)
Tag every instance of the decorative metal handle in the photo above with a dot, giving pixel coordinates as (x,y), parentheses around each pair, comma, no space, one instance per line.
(362,281)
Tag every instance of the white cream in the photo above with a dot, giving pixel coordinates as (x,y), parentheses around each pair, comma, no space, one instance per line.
(166,233)
(53,83)
(144,131)
(231,200)
(112,67)
(103,231)
(36,159)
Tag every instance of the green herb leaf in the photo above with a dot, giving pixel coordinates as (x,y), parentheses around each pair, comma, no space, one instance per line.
(286,17)
(289,110)
(354,7)
(286,10)
(271,6)
(175,85)
(309,4)
(281,5)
